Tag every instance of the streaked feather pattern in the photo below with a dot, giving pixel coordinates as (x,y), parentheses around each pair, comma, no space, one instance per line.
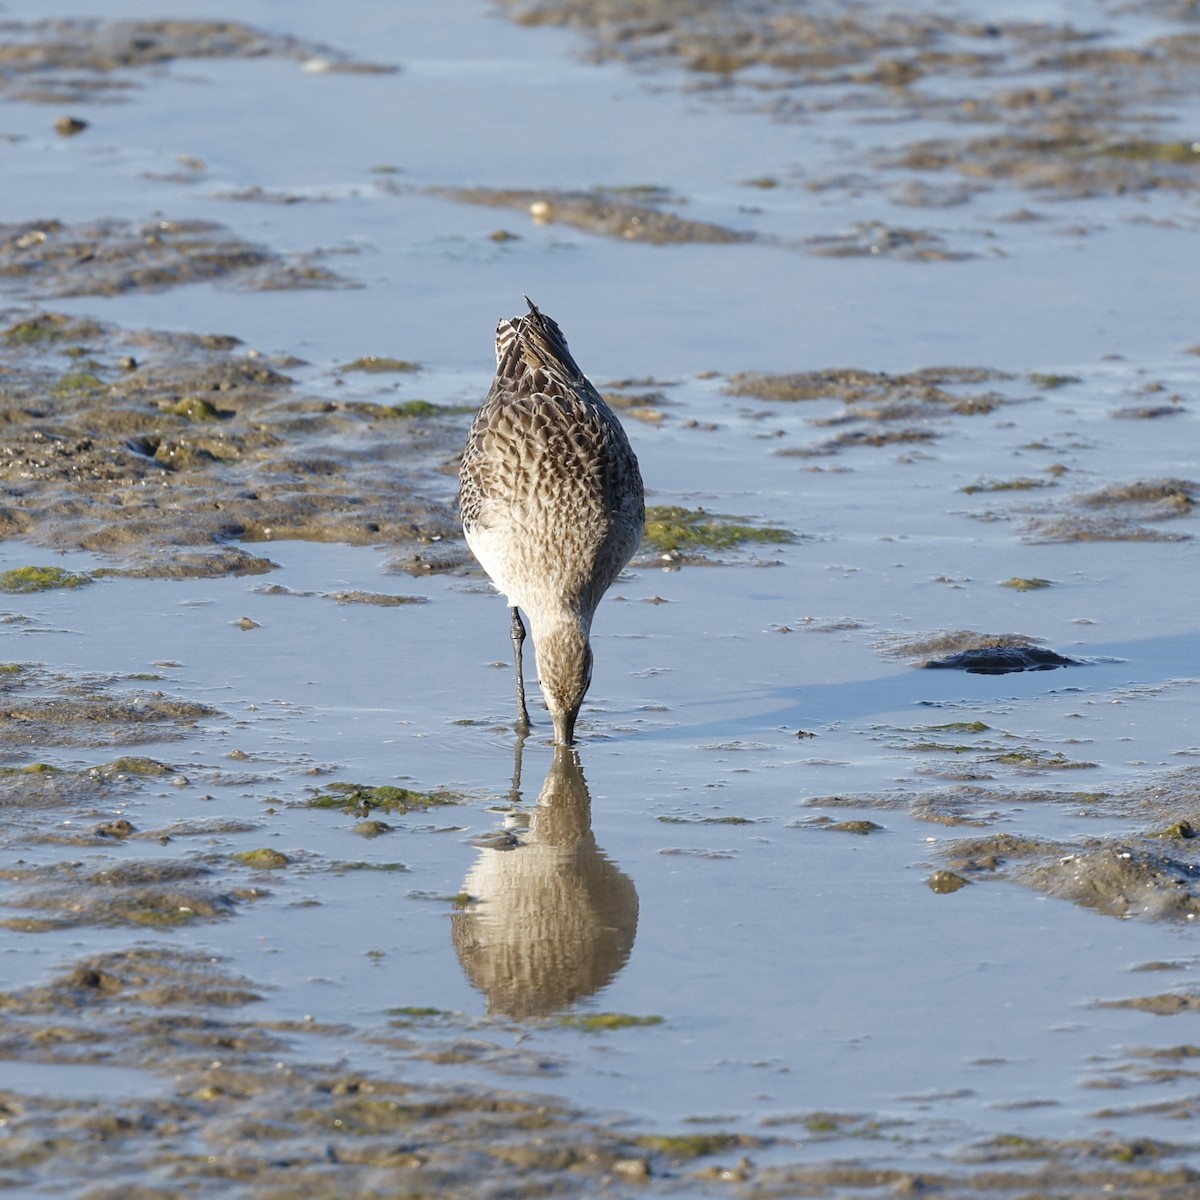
(551,496)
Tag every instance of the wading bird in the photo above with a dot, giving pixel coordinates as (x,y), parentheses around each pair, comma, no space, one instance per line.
(551,503)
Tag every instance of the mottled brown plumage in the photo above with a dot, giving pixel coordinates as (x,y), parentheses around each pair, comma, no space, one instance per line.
(551,501)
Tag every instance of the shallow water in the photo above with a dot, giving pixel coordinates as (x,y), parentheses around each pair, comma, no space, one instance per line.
(797,969)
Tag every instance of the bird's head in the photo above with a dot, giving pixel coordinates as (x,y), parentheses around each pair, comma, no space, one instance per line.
(564,659)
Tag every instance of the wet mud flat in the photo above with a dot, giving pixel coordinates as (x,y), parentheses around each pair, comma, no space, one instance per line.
(109,778)
(199,443)
(240,1103)
(155,817)
(91,759)
(1064,110)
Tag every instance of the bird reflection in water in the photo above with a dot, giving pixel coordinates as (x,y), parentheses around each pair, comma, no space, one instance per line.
(551,919)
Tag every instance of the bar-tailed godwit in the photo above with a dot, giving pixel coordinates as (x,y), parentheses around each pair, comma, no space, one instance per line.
(552,507)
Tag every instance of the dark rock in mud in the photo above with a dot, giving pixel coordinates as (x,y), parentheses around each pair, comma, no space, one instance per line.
(607,213)
(980,653)
(198,444)
(1003,660)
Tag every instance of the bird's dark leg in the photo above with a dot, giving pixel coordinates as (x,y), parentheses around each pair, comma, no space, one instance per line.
(518,639)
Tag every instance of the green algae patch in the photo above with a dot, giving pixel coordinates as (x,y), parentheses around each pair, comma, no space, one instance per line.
(1163,152)
(695,1145)
(1022,484)
(359,798)
(263,859)
(603,1022)
(861,827)
(46,329)
(938,748)
(76,381)
(1050,381)
(41,579)
(1039,760)
(380,364)
(945,883)
(1180,829)
(1020,584)
(135,764)
(371,829)
(671,529)
(959,727)
(1136,1150)
(196,409)
(410,409)
(37,768)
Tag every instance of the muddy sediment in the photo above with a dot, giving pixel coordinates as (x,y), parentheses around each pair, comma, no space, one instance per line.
(73,59)
(40,709)
(159,449)
(213,1072)
(978,653)
(639,215)
(1059,110)
(1120,512)
(1154,877)
(107,257)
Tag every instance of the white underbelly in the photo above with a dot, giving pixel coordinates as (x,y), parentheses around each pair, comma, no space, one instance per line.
(491,552)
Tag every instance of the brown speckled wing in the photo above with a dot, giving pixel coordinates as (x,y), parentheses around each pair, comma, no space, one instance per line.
(548,475)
